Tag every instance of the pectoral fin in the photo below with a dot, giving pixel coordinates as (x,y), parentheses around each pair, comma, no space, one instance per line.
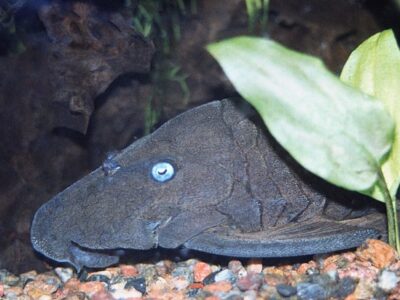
(296,239)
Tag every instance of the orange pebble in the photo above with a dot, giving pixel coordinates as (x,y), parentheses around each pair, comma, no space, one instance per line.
(196,285)
(128,271)
(305,266)
(201,270)
(212,298)
(72,284)
(380,254)
(92,287)
(220,286)
(254,265)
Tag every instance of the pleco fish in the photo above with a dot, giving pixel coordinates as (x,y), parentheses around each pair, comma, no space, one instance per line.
(208,180)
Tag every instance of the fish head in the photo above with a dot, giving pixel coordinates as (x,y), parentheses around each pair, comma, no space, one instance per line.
(160,191)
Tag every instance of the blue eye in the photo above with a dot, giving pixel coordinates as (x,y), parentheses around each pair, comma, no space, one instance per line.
(162,171)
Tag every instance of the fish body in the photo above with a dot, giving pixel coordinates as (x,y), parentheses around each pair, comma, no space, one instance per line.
(211,180)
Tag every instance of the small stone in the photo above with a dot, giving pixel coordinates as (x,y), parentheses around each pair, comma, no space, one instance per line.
(380,254)
(252,281)
(102,295)
(237,268)
(168,295)
(3,275)
(255,266)
(323,279)
(359,270)
(72,284)
(180,283)
(311,291)
(387,280)
(334,262)
(395,293)
(42,285)
(11,280)
(344,288)
(128,271)
(304,267)
(268,292)
(98,277)
(212,298)
(83,275)
(364,290)
(159,284)
(286,290)
(138,284)
(274,279)
(220,286)
(210,278)
(333,275)
(100,274)
(27,276)
(183,271)
(200,271)
(92,287)
(113,271)
(163,267)
(45,297)
(119,292)
(225,275)
(249,295)
(196,285)
(75,296)
(13,292)
(64,274)
(147,271)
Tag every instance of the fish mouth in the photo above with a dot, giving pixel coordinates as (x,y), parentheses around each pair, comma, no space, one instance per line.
(91,258)
(82,253)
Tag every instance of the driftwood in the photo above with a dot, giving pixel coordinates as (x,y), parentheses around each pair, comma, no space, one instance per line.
(53,85)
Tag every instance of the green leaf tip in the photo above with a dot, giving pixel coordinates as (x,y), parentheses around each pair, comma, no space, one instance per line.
(330,128)
(374,68)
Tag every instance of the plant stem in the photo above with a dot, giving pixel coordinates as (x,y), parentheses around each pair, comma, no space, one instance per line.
(391,212)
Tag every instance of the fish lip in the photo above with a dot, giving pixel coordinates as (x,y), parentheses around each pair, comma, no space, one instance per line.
(80,256)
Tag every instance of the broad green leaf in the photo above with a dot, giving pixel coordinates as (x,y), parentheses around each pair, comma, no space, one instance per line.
(330,128)
(374,68)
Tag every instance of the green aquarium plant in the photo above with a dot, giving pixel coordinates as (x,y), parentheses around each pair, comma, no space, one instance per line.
(341,130)
(257,12)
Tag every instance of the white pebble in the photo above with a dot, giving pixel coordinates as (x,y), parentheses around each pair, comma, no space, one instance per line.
(225,275)
(64,274)
(387,280)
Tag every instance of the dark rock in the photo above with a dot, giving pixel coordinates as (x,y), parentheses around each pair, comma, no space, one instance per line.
(99,277)
(225,275)
(286,290)
(183,271)
(210,278)
(311,291)
(138,284)
(83,275)
(344,288)
(193,292)
(252,281)
(74,57)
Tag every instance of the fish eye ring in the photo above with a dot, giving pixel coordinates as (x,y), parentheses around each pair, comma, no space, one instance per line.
(162,171)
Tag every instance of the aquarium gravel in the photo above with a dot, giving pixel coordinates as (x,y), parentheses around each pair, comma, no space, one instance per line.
(370,272)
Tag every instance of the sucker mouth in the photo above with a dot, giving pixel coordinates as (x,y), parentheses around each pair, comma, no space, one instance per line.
(83,256)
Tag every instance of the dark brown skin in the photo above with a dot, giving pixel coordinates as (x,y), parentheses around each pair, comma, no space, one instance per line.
(234,192)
